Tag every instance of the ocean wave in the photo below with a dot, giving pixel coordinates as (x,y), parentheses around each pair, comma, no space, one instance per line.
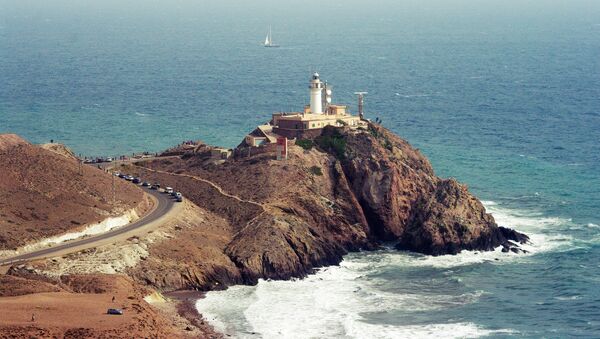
(567,298)
(543,231)
(408,96)
(335,302)
(361,298)
(451,330)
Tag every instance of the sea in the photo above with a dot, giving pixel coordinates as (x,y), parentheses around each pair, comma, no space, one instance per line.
(502,95)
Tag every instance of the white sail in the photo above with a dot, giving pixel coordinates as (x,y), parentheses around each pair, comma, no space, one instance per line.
(269,39)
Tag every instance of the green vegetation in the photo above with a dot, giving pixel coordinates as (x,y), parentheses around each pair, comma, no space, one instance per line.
(305,143)
(374,132)
(316,170)
(387,144)
(334,143)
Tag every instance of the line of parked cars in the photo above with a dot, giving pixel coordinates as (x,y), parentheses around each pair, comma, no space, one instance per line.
(156,186)
(97,160)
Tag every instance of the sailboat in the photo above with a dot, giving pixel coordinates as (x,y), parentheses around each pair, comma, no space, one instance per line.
(269,39)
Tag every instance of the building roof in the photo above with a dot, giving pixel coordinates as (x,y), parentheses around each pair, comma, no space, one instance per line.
(267,130)
(313,117)
(264,131)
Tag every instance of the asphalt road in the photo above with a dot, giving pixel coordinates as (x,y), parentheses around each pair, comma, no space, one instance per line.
(164,205)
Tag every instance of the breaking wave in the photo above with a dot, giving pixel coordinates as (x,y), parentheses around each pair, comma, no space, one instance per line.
(369,296)
(335,302)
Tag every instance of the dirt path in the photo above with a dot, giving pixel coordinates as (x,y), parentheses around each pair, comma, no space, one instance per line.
(215,186)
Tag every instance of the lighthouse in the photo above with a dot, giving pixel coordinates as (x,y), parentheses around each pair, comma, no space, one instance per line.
(316,90)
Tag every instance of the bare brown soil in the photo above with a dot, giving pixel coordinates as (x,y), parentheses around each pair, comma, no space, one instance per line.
(45,193)
(78,309)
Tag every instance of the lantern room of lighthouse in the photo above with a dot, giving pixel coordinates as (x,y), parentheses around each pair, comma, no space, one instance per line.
(316,92)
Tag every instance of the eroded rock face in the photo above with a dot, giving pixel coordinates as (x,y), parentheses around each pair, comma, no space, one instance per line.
(354,190)
(277,219)
(405,202)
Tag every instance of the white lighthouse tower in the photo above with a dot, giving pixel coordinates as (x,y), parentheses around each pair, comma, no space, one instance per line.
(316,90)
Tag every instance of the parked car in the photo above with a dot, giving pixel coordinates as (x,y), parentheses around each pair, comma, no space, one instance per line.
(122,175)
(155,186)
(168,190)
(179,198)
(136,180)
(117,174)
(129,178)
(173,194)
(146,184)
(109,159)
(114,311)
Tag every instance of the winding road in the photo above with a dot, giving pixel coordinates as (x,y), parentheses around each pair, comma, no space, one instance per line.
(163,205)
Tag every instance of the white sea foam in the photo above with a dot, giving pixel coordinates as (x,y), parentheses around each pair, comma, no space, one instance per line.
(332,303)
(572,297)
(408,96)
(351,299)
(539,228)
(452,330)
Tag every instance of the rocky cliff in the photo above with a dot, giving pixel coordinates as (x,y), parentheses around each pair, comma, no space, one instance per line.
(345,190)
(404,202)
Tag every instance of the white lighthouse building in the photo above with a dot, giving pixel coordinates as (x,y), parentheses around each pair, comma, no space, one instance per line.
(316,91)
(307,123)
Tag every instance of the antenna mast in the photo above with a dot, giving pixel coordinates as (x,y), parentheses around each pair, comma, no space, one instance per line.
(361,96)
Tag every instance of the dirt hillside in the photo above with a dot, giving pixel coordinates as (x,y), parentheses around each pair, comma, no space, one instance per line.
(59,149)
(11,140)
(43,193)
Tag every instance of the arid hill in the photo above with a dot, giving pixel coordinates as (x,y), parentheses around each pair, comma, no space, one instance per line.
(11,140)
(45,193)
(75,306)
(343,191)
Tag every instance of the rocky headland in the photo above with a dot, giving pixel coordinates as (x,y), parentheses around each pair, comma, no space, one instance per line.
(244,218)
(344,190)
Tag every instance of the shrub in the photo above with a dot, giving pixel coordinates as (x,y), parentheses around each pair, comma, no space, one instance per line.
(387,144)
(374,132)
(316,170)
(305,143)
(334,143)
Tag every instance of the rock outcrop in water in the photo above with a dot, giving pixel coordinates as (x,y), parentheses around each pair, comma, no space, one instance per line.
(406,203)
(345,190)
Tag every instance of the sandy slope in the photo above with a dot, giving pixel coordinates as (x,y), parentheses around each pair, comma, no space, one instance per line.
(78,309)
(44,193)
